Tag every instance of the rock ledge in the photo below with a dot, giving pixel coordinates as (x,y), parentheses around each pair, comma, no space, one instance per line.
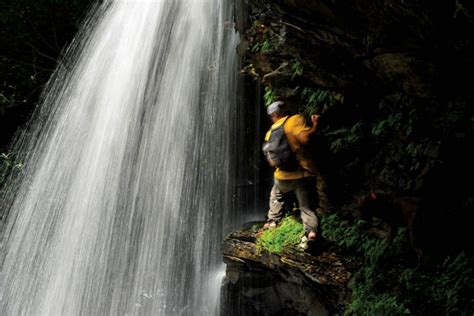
(293,282)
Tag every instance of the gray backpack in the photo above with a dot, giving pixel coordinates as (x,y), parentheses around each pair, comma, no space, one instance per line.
(278,152)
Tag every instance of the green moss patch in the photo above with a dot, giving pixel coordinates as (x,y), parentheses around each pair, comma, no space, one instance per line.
(288,233)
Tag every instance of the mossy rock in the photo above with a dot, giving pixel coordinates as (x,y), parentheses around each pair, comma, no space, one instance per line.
(287,234)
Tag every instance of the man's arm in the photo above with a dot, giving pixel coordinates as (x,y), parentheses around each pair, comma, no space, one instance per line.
(304,137)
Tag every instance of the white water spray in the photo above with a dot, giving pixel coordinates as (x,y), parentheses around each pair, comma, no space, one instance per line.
(127,188)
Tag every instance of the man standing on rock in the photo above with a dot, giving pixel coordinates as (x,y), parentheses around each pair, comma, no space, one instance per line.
(284,148)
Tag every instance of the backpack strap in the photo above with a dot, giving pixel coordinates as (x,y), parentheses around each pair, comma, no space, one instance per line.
(282,124)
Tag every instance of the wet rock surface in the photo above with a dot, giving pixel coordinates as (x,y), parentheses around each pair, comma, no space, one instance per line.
(294,282)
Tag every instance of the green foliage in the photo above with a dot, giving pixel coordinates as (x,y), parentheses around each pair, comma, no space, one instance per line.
(352,236)
(316,101)
(296,69)
(7,161)
(264,46)
(415,150)
(366,298)
(453,283)
(340,231)
(288,233)
(261,38)
(382,127)
(366,302)
(345,138)
(447,287)
(269,96)
(382,287)
(7,165)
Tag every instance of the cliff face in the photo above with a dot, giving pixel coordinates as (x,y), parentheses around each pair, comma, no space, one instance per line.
(391,80)
(392,83)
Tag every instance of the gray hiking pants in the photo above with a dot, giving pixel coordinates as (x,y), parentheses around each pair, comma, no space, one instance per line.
(305,192)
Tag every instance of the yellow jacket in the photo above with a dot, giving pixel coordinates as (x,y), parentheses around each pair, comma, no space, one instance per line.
(293,127)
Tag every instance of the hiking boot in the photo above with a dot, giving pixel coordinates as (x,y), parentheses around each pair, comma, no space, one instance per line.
(307,241)
(304,243)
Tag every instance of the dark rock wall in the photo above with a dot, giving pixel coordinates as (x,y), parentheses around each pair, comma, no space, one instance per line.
(252,290)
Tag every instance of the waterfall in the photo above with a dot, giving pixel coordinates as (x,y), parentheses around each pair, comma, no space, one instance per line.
(128,182)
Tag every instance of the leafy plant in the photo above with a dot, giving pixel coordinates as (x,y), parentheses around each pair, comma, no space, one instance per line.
(453,283)
(345,138)
(269,96)
(8,164)
(316,100)
(296,69)
(352,236)
(266,45)
(365,301)
(382,287)
(341,231)
(382,126)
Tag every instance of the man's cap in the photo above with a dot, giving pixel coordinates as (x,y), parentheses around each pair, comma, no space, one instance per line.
(277,108)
